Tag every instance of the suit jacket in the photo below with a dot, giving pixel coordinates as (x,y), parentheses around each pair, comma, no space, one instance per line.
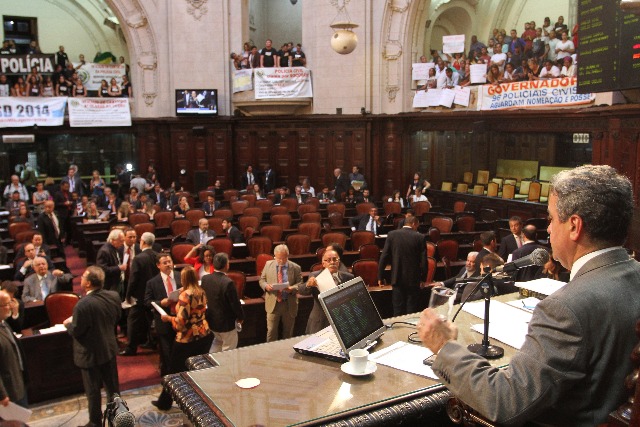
(342,186)
(270,276)
(29,270)
(206,207)
(77,182)
(235,235)
(508,244)
(94,319)
(571,367)
(61,209)
(526,273)
(223,304)
(11,377)
(109,259)
(244,180)
(269,181)
(193,236)
(44,248)
(143,268)
(32,291)
(481,254)
(405,250)
(156,292)
(451,282)
(360,223)
(317,319)
(46,227)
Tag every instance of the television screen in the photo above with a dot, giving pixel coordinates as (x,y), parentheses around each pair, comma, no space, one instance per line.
(197,102)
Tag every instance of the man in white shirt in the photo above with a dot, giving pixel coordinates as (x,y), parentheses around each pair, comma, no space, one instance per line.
(498,58)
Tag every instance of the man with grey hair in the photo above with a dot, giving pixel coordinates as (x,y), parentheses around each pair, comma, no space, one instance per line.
(109,258)
(143,268)
(341,185)
(571,368)
(280,280)
(223,305)
(465,272)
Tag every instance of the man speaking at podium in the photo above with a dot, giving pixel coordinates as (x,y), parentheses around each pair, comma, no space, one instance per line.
(571,367)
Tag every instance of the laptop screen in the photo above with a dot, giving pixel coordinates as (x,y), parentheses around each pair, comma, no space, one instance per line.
(352,313)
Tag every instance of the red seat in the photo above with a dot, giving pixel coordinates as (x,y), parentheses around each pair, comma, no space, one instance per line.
(279,210)
(223,213)
(368,270)
(203,194)
(298,244)
(239,279)
(249,198)
(442,223)
(163,219)
(392,208)
(193,215)
(336,207)
(290,203)
(221,244)
(254,211)
(306,208)
(259,245)
(24,236)
(420,208)
(466,223)
(228,194)
(363,208)
(434,234)
(239,206)
(180,226)
(459,206)
(248,233)
(283,221)
(448,248)
(370,251)
(312,229)
(59,306)
(17,227)
(314,201)
(261,260)
(359,238)
(316,267)
(179,251)
(274,232)
(215,224)
(248,221)
(145,227)
(264,204)
(336,219)
(312,217)
(334,237)
(138,218)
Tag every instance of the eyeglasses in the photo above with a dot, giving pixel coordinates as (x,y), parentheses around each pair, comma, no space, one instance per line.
(6,305)
(331,260)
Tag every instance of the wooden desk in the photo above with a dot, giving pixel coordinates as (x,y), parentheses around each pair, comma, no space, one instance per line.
(48,362)
(295,388)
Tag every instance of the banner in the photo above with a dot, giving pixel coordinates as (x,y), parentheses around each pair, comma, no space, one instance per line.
(537,93)
(242,80)
(453,44)
(13,65)
(420,70)
(92,74)
(95,112)
(290,82)
(30,111)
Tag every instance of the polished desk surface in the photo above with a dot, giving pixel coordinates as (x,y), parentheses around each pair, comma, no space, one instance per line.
(295,387)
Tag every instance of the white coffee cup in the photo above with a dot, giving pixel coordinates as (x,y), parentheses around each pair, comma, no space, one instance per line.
(358,359)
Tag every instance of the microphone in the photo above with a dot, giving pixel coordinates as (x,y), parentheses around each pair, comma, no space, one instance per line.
(119,415)
(538,257)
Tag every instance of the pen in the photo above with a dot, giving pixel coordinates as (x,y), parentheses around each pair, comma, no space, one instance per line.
(528,307)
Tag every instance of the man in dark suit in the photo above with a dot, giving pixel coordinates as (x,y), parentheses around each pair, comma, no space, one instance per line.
(529,244)
(364,197)
(331,261)
(12,388)
(573,362)
(202,234)
(157,290)
(488,239)
(49,226)
(94,345)
(24,267)
(269,179)
(405,250)
(367,222)
(513,241)
(103,201)
(64,208)
(109,259)
(247,178)
(157,194)
(341,185)
(41,248)
(232,231)
(74,181)
(143,268)
(210,205)
(223,305)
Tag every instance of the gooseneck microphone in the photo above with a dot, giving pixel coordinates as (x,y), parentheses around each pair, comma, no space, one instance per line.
(538,257)
(118,414)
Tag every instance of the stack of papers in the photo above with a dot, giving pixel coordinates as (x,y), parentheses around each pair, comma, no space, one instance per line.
(542,286)
(405,357)
(508,322)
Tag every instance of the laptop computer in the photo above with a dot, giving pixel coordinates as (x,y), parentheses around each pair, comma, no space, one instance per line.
(354,322)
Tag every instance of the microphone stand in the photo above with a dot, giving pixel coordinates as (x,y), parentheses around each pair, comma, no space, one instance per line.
(485,349)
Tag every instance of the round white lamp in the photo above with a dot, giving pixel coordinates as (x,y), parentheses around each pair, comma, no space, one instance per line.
(344,40)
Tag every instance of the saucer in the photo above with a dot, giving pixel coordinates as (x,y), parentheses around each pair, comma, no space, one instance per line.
(371,368)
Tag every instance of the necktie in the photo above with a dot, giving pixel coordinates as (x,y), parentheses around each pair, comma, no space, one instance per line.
(250,179)
(370,226)
(212,207)
(44,287)
(281,296)
(518,241)
(169,285)
(202,237)
(127,271)
(336,278)
(8,331)
(72,185)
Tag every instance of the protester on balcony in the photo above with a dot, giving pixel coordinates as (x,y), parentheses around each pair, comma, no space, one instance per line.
(63,88)
(568,69)
(565,47)
(103,92)
(20,88)
(299,58)
(79,90)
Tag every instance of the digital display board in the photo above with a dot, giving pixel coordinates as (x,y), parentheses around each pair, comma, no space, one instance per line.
(608,47)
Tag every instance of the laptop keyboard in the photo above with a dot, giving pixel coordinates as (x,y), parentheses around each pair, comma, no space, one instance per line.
(330,346)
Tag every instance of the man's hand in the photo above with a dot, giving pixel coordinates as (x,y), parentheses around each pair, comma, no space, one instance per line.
(435,332)
(312,283)
(67,321)
(268,287)
(5,401)
(123,267)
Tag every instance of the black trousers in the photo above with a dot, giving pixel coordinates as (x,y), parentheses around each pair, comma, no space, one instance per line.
(93,378)
(137,326)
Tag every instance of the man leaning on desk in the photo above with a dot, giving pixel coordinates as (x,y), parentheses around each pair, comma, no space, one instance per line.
(571,367)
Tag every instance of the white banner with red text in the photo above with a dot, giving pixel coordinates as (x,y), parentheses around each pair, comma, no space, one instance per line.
(27,111)
(560,92)
(95,112)
(286,82)
(92,74)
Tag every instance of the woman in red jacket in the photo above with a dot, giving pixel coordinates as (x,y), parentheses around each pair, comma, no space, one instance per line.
(201,257)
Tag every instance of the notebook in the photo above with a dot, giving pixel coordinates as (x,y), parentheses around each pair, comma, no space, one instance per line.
(354,322)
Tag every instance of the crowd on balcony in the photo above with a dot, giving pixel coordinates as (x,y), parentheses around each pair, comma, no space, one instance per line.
(269,57)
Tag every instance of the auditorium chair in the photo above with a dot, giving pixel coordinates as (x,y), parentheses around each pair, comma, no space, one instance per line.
(194,216)
(248,221)
(283,221)
(228,194)
(334,237)
(336,207)
(306,208)
(203,194)
(461,187)
(298,244)
(17,227)
(466,223)
(488,215)
(392,208)
(239,206)
(446,186)
(434,234)
(138,218)
(359,238)
(311,229)
(248,232)
(221,244)
(544,191)
(448,248)
(316,267)
(535,189)
(367,269)
(144,227)
(249,198)
(254,211)
(320,252)
(420,208)
(223,213)
(364,208)
(290,203)
(215,224)
(59,306)
(179,251)
(274,232)
(508,191)
(336,219)
(483,177)
(459,206)
(442,223)
(259,245)
(163,219)
(261,260)
(264,204)
(492,189)
(370,251)
(314,201)
(239,279)
(279,210)
(478,190)
(523,191)
(24,236)
(311,217)
(467,178)
(180,226)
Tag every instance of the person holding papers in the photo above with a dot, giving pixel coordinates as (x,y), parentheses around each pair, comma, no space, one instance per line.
(572,365)
(12,388)
(317,283)
(280,280)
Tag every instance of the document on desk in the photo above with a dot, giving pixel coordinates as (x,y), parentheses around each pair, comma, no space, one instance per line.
(405,357)
(498,312)
(512,334)
(53,329)
(15,412)
(542,286)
